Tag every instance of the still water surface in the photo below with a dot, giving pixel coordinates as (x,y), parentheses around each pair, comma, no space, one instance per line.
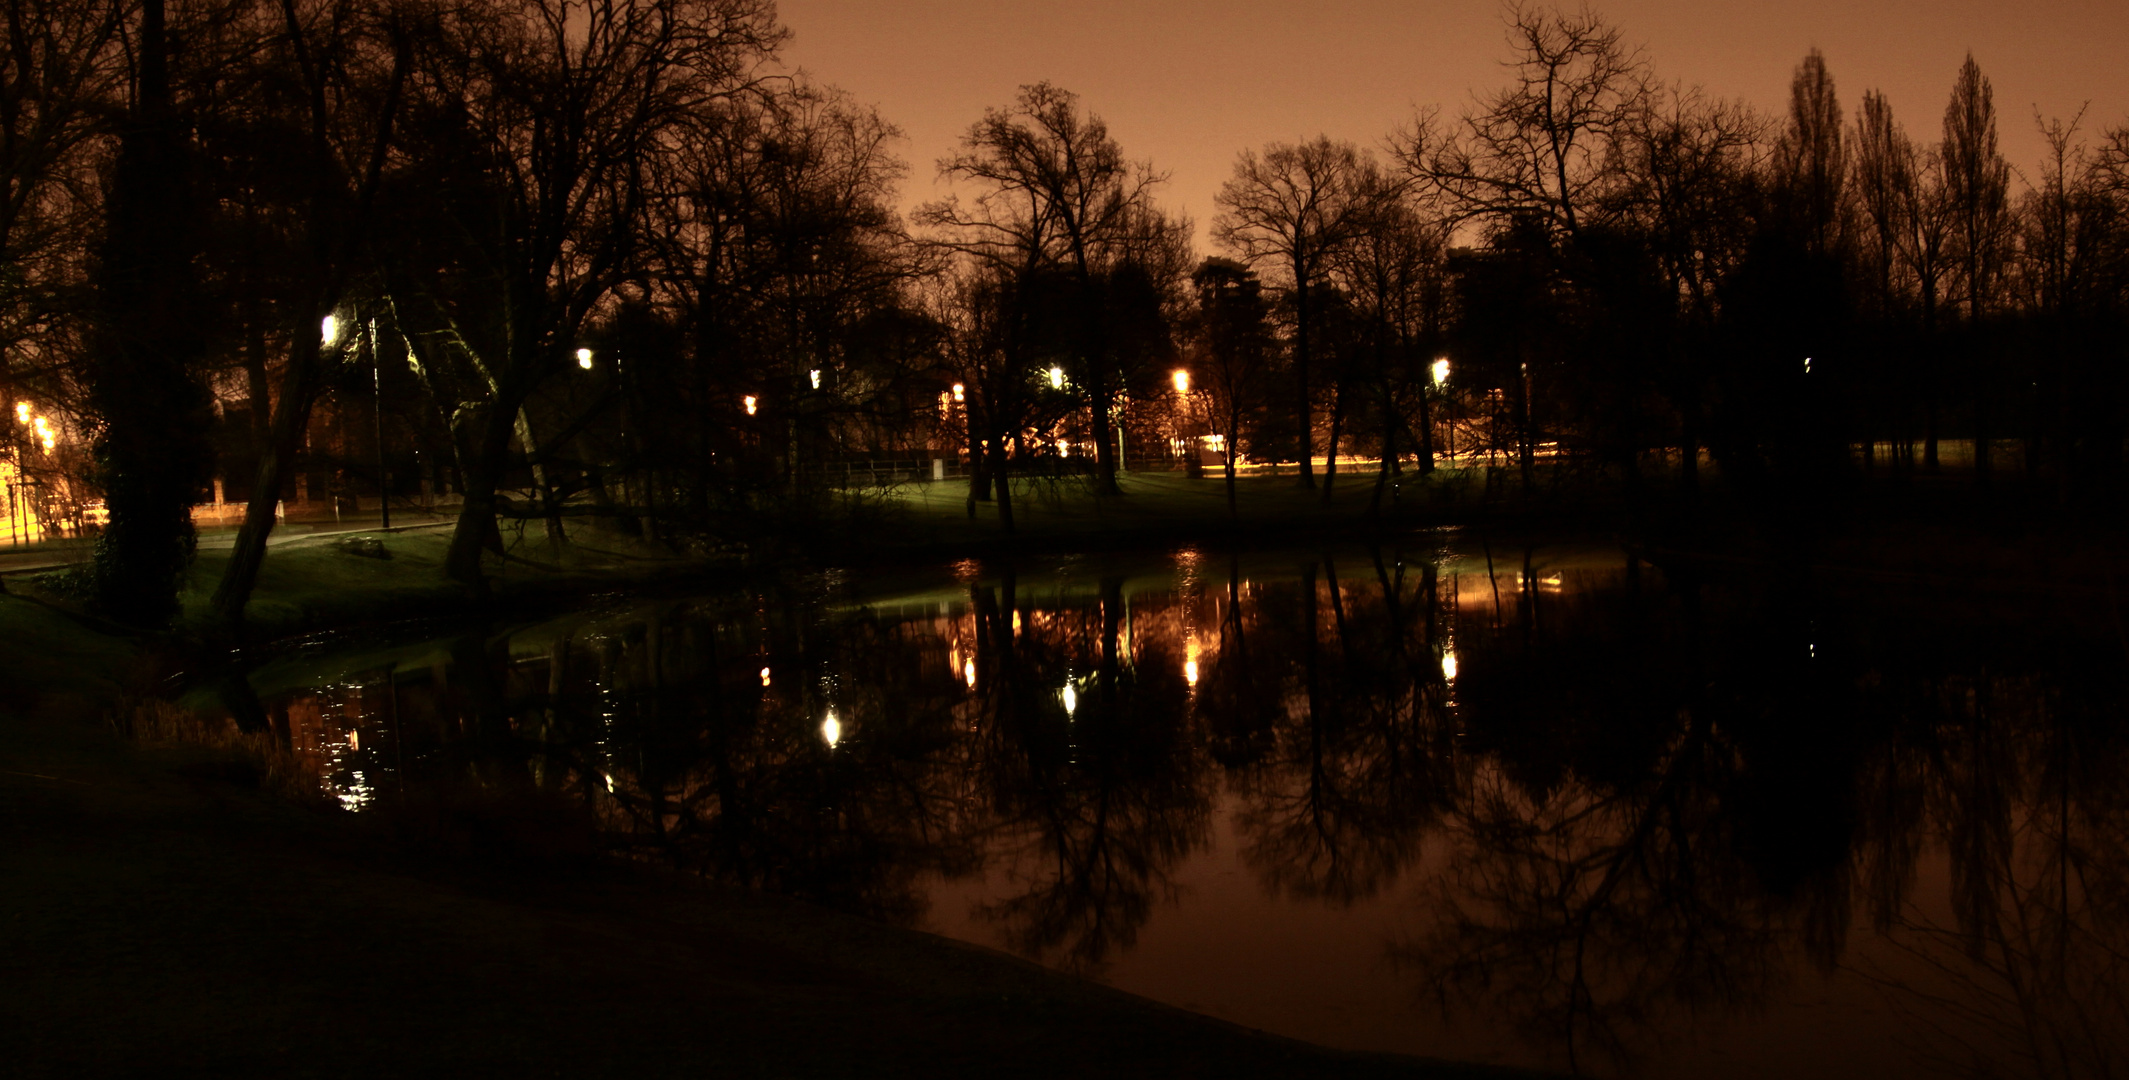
(1545,807)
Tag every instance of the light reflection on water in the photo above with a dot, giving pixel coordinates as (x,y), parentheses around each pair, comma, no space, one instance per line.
(1510,806)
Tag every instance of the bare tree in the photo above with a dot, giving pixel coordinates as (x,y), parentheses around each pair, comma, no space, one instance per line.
(1810,162)
(1536,165)
(346,65)
(1393,276)
(1542,145)
(1881,171)
(1233,351)
(1054,192)
(1689,163)
(540,130)
(153,455)
(1977,193)
(778,244)
(1290,209)
(62,71)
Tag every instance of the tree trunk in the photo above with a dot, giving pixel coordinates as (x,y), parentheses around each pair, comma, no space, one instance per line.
(979,471)
(1389,453)
(1002,476)
(1689,423)
(1527,437)
(1929,435)
(299,386)
(1330,454)
(1104,445)
(152,453)
(1983,467)
(1301,359)
(1426,431)
(1233,433)
(551,511)
(476,529)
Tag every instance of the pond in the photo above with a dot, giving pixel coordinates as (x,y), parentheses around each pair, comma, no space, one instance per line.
(1543,806)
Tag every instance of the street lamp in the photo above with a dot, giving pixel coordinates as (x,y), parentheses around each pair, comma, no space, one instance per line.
(749,400)
(584,359)
(1189,443)
(1441,382)
(329,329)
(1056,378)
(384,472)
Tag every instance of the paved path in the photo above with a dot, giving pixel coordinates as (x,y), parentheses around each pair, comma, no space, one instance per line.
(55,554)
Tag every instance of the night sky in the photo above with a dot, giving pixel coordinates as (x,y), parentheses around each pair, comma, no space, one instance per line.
(1189,84)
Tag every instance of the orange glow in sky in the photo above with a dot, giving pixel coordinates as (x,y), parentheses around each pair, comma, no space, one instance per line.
(1188,85)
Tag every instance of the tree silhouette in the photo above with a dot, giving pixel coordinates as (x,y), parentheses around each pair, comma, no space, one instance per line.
(1291,208)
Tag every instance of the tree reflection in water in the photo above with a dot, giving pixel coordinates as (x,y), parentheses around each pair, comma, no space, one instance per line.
(1338,780)
(1648,803)
(1094,806)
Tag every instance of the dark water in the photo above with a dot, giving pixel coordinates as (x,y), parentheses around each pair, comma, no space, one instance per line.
(1544,807)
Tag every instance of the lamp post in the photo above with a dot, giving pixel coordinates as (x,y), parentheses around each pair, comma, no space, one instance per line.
(384,476)
(1193,455)
(1441,382)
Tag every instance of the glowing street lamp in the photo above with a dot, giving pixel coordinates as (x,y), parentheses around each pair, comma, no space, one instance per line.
(750,403)
(815,375)
(959,390)
(1056,378)
(22,412)
(1181,379)
(831,730)
(584,359)
(329,329)
(1441,370)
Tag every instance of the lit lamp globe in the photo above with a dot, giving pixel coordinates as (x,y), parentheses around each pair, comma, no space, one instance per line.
(584,359)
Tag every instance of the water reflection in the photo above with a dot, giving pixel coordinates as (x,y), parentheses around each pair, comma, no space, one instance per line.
(1616,812)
